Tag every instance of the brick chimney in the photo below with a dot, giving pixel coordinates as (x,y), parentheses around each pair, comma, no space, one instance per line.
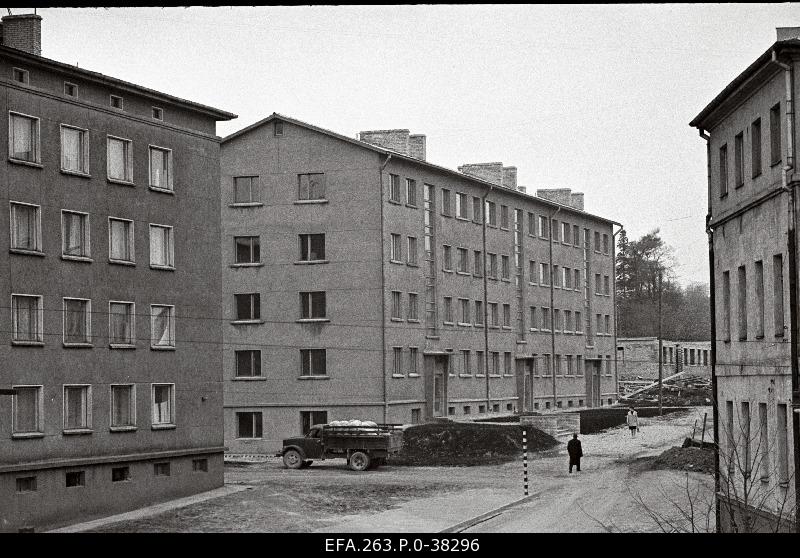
(788,33)
(558,195)
(576,200)
(416,146)
(23,32)
(510,177)
(490,172)
(395,140)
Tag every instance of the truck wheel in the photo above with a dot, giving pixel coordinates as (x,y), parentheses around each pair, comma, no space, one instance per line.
(359,461)
(292,459)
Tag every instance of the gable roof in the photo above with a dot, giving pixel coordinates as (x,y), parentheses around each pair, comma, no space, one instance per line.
(395,154)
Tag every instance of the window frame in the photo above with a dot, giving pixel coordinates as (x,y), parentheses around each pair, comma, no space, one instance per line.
(36,141)
(111,408)
(131,241)
(87,256)
(253,319)
(310,355)
(68,84)
(87,412)
(111,98)
(307,300)
(250,262)
(255,356)
(305,240)
(172,411)
(37,250)
(39,319)
(309,199)
(111,343)
(170,188)
(39,412)
(87,322)
(172,319)
(84,156)
(127,156)
(170,266)
(23,73)
(252,425)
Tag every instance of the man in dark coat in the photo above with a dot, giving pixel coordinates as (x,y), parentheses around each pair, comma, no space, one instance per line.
(575,453)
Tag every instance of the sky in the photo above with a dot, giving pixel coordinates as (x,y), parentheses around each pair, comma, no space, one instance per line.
(596,98)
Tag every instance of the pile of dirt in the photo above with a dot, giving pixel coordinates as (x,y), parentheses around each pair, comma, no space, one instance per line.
(467,444)
(686,459)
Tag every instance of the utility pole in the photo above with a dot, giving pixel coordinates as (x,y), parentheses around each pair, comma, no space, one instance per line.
(660,345)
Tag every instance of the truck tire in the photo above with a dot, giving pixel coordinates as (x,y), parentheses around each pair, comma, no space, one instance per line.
(359,461)
(292,459)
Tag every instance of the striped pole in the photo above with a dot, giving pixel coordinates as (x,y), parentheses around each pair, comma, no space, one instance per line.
(525,459)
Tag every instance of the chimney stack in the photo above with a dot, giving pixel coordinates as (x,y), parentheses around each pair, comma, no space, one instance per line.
(416,146)
(23,32)
(510,177)
(490,172)
(576,200)
(395,140)
(788,33)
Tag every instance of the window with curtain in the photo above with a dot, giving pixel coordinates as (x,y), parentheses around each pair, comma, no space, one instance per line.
(162,404)
(123,406)
(121,323)
(161,168)
(120,159)
(23,142)
(121,240)
(26,318)
(77,402)
(74,150)
(75,234)
(25,227)
(311,186)
(76,321)
(245,189)
(162,325)
(161,246)
(27,411)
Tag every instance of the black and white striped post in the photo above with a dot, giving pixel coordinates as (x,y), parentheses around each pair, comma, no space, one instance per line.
(525,459)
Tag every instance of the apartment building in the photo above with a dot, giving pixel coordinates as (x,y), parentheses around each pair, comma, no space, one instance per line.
(111,321)
(637,358)
(362,281)
(749,130)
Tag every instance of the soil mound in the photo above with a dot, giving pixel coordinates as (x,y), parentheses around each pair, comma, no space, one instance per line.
(467,444)
(686,459)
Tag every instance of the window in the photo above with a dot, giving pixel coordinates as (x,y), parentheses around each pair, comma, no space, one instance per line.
(200,465)
(545,318)
(394,188)
(759,279)
(479,363)
(755,147)
(26,484)
(741,317)
(566,280)
(556,277)
(448,310)
(462,210)
(412,251)
(161,247)
(123,406)
(74,234)
(74,149)
(121,324)
(413,313)
(416,415)
(77,407)
(447,209)
(447,258)
(245,189)
(599,324)
(506,315)
(248,248)
(119,159)
(543,226)
(21,76)
(249,425)
(77,321)
(162,326)
(23,138)
(554,230)
(477,264)
(567,321)
(478,312)
(413,357)
(726,305)
(161,168)
(534,321)
(597,242)
(74,478)
(566,236)
(158,113)
(163,404)
(312,305)
(782,444)
(578,322)
(467,409)
(606,285)
(313,362)
(492,272)
(544,274)
(576,235)
(463,260)
(494,312)
(70,89)
(608,324)
(278,128)
(120,474)
(495,363)
(397,310)
(556,319)
(27,410)
(738,159)
(396,248)
(723,170)
(605,244)
(579,368)
(763,444)
(476,209)
(465,362)
(120,240)
(26,227)
(411,192)
(26,318)
(491,214)
(775,134)
(533,272)
(248,364)
(507,363)
(312,247)
(464,311)
(115,102)
(505,267)
(161,469)
(777,294)
(503,217)
(730,454)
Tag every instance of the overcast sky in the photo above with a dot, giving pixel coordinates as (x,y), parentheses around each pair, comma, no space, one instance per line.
(593,98)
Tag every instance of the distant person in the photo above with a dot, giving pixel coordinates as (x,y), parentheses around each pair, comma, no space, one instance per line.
(575,453)
(632,418)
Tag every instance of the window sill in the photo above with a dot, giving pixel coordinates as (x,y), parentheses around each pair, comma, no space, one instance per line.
(325,377)
(247,322)
(121,346)
(480,375)
(249,379)
(245,204)
(533,329)
(464,324)
(310,202)
(246,264)
(413,375)
(508,375)
(27,435)
(414,321)
(121,262)
(521,342)
(120,181)
(507,327)
(445,215)
(400,262)
(24,252)
(162,267)
(757,337)
(79,174)
(312,320)
(533,284)
(76,431)
(310,262)
(162,427)
(504,280)
(447,270)
(412,206)
(394,202)
(169,191)
(492,225)
(412,264)
(479,326)
(25,163)
(495,376)
(465,375)
(465,273)
(84,259)
(395,319)
(160,348)
(77,345)
(397,376)
(494,327)
(466,219)
(27,343)
(122,429)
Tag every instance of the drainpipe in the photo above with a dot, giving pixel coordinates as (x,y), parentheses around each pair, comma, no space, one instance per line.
(614,300)
(792,249)
(383,294)
(485,300)
(713,310)
(552,310)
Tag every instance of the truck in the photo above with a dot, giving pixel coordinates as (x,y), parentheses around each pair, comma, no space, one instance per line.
(364,447)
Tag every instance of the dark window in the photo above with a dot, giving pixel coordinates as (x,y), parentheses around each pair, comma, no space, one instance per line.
(70,89)
(723,170)
(312,418)
(311,186)
(775,134)
(777,294)
(116,102)
(759,287)
(200,465)
(161,469)
(249,425)
(248,364)
(447,209)
(476,209)
(312,304)
(245,189)
(248,249)
(26,484)
(738,154)
(278,129)
(726,305)
(20,75)
(755,147)
(119,474)
(742,299)
(248,306)
(312,247)
(503,216)
(75,478)
(394,188)
(313,362)
(158,113)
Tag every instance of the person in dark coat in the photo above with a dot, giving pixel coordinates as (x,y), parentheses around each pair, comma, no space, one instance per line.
(575,453)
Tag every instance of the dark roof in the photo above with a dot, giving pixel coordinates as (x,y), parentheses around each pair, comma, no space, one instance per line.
(451,172)
(752,70)
(116,83)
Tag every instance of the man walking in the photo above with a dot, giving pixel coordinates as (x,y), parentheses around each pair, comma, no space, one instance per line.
(575,453)
(632,419)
